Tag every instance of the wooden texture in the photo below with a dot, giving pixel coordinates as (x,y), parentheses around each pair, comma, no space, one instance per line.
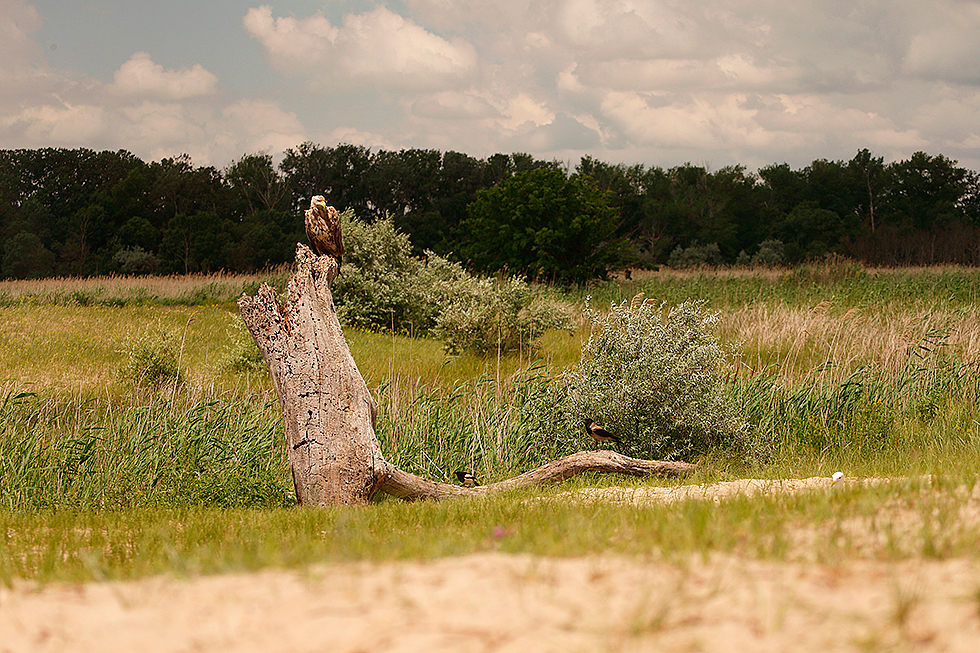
(328,410)
(330,416)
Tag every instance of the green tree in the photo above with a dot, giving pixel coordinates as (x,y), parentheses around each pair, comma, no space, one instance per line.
(868,174)
(25,256)
(338,173)
(810,231)
(926,191)
(194,243)
(545,225)
(256,182)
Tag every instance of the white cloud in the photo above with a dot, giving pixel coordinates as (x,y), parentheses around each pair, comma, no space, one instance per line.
(623,29)
(67,125)
(453,105)
(523,109)
(261,126)
(950,52)
(140,77)
(146,109)
(716,123)
(379,47)
(290,42)
(489,15)
(652,81)
(18,20)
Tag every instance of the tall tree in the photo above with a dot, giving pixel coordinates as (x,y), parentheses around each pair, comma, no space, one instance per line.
(868,173)
(254,179)
(545,225)
(337,173)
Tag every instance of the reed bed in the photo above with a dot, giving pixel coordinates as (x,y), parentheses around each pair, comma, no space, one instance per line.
(873,373)
(875,370)
(799,340)
(121,290)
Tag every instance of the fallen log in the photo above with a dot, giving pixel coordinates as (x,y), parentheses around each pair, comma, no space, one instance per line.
(330,416)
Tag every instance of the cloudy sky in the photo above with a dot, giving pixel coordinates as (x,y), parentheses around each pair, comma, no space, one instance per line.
(634,81)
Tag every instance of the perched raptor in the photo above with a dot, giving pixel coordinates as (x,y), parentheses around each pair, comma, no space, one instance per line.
(598,433)
(323,229)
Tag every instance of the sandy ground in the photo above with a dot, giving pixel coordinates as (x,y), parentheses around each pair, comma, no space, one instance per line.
(500,602)
(717,492)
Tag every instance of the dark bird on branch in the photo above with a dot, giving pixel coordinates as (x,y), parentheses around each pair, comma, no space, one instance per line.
(598,433)
(466,479)
(323,229)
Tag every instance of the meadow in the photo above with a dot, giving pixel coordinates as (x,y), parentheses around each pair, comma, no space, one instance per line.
(107,471)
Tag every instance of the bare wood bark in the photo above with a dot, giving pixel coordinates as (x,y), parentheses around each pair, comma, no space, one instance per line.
(404,485)
(330,415)
(328,410)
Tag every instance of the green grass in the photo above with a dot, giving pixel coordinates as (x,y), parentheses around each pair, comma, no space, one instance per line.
(838,281)
(870,372)
(908,519)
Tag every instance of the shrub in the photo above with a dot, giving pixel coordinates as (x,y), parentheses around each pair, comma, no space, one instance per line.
(696,255)
(771,253)
(653,376)
(378,285)
(154,361)
(487,315)
(243,354)
(383,285)
(136,261)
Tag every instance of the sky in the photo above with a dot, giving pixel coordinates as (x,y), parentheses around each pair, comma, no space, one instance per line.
(710,82)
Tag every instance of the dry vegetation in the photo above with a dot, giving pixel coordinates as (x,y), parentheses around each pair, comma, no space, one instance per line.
(868,371)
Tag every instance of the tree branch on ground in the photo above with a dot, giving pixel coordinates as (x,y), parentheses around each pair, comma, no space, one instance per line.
(330,416)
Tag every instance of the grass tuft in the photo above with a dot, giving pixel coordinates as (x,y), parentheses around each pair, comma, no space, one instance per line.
(178,465)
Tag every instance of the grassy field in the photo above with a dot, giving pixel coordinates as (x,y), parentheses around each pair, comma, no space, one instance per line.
(869,371)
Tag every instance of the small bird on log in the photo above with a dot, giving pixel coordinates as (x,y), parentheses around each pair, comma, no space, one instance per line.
(323,229)
(598,433)
(466,478)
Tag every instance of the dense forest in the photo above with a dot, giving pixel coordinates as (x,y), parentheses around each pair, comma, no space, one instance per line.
(81,212)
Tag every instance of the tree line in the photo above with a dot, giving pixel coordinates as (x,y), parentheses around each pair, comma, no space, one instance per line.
(82,212)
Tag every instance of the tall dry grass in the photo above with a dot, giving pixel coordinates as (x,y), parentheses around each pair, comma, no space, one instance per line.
(123,289)
(836,340)
(855,369)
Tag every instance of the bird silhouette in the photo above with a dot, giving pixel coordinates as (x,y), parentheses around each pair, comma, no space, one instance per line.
(598,433)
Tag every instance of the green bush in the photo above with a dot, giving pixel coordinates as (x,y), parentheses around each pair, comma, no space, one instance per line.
(653,377)
(136,261)
(383,286)
(696,255)
(486,315)
(379,283)
(771,253)
(243,354)
(154,361)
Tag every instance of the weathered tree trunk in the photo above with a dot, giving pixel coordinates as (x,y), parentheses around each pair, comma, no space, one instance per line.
(330,415)
(328,410)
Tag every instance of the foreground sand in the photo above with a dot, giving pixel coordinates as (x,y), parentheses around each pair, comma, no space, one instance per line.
(521,603)
(498,602)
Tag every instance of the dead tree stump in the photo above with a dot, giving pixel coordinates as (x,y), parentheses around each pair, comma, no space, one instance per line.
(330,415)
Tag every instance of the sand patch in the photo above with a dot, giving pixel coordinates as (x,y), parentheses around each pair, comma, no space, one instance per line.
(717,492)
(499,602)
(524,603)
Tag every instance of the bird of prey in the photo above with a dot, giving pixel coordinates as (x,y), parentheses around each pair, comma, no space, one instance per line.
(598,433)
(466,478)
(323,229)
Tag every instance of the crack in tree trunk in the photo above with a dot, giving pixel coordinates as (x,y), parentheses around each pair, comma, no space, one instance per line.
(330,416)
